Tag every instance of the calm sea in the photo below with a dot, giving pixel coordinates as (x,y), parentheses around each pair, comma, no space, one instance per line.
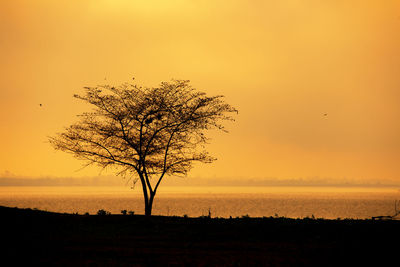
(294,202)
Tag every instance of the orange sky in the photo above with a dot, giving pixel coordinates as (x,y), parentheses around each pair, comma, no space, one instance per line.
(282,63)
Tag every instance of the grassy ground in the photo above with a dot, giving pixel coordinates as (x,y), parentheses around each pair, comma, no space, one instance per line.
(44,238)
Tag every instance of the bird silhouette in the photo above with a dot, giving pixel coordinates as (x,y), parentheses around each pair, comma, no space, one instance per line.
(40,105)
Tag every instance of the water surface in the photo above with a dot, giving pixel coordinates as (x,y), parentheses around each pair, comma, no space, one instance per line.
(294,202)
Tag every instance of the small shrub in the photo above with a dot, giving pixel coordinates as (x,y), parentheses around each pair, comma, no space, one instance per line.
(131,212)
(185,216)
(103,212)
(86,213)
(123,212)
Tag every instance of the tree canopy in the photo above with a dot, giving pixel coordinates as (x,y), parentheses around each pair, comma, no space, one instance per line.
(145,132)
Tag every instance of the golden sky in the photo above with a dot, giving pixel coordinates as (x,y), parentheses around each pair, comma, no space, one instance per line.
(282,63)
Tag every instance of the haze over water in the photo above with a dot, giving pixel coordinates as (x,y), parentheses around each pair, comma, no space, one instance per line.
(293,202)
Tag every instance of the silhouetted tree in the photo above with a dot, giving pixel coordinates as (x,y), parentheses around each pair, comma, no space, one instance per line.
(147,132)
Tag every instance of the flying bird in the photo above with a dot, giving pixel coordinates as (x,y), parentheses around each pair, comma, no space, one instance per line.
(40,105)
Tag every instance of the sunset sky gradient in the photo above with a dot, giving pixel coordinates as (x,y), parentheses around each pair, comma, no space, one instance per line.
(283,64)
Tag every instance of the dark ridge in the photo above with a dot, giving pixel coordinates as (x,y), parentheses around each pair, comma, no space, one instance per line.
(48,238)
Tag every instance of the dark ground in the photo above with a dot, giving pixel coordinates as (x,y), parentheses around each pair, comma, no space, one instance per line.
(39,238)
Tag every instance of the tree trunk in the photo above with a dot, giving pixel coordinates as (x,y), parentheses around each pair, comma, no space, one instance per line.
(149,205)
(147,209)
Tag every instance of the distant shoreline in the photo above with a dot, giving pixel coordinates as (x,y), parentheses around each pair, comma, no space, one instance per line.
(118,182)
